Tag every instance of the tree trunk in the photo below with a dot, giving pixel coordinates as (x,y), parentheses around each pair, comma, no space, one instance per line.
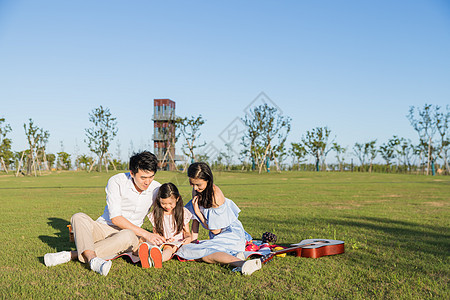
(100,163)
(91,167)
(263,160)
(107,162)
(447,169)
(45,161)
(30,161)
(20,163)
(4,165)
(429,157)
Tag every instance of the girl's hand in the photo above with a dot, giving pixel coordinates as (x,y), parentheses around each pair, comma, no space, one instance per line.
(186,241)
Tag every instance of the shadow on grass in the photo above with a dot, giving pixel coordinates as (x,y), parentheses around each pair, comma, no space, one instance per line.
(52,187)
(384,234)
(410,236)
(61,241)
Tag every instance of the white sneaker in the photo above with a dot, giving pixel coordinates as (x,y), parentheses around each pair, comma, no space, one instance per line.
(53,259)
(100,266)
(251,266)
(241,256)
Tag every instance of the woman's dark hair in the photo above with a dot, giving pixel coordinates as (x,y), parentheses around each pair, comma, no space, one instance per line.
(145,161)
(201,170)
(168,190)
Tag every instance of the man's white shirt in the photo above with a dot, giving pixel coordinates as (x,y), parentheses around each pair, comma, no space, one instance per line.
(122,199)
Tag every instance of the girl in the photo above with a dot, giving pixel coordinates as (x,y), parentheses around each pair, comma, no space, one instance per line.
(219,215)
(170,220)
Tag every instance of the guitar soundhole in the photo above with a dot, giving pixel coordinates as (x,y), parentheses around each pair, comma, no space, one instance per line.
(319,242)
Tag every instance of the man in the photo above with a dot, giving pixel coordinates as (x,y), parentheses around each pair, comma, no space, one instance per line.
(129,197)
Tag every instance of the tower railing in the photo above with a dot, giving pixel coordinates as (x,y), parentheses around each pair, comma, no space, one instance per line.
(167,116)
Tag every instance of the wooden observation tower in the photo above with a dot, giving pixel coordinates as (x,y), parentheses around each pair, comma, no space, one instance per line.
(164,133)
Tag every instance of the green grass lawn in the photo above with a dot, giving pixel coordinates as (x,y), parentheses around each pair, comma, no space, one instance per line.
(395,228)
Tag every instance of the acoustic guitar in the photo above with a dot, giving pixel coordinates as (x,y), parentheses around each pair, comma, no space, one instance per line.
(315,248)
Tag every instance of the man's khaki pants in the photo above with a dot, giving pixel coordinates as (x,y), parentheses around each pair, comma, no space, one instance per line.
(107,241)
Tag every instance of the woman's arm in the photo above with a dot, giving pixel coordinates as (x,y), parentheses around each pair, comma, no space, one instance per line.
(195,226)
(197,211)
(219,200)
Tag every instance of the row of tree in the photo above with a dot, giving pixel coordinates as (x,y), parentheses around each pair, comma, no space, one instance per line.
(35,159)
(263,142)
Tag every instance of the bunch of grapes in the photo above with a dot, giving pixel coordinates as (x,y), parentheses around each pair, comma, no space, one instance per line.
(269,237)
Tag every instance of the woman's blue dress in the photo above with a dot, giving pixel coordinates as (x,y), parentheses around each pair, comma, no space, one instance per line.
(231,239)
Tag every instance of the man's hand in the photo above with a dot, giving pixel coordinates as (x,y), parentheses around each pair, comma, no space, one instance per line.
(154,239)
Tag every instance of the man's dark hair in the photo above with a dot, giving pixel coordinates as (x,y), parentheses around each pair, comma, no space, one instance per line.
(145,161)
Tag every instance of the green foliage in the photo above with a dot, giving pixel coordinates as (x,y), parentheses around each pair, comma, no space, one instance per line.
(339,151)
(388,150)
(428,121)
(100,136)
(265,135)
(316,144)
(51,158)
(37,139)
(299,152)
(190,129)
(5,144)
(64,161)
(364,152)
(84,162)
(395,229)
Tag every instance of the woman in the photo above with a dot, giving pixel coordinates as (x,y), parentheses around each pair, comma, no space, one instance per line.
(219,215)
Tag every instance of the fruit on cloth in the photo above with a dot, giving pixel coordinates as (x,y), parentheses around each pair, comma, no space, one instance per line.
(269,237)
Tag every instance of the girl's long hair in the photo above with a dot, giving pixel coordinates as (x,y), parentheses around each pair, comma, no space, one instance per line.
(168,190)
(201,170)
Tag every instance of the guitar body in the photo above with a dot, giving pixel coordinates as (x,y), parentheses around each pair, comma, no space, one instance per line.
(315,248)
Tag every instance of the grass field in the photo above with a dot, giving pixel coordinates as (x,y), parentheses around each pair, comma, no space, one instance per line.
(395,228)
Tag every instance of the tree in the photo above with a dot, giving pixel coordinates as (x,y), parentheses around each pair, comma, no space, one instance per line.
(360,153)
(6,155)
(442,124)
(85,162)
(190,128)
(372,150)
(340,151)
(388,151)
(425,123)
(299,153)
(64,161)
(37,138)
(100,136)
(405,152)
(228,156)
(266,135)
(41,146)
(316,144)
(50,160)
(366,151)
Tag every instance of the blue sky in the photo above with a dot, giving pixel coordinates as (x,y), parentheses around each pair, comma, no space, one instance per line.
(354,66)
